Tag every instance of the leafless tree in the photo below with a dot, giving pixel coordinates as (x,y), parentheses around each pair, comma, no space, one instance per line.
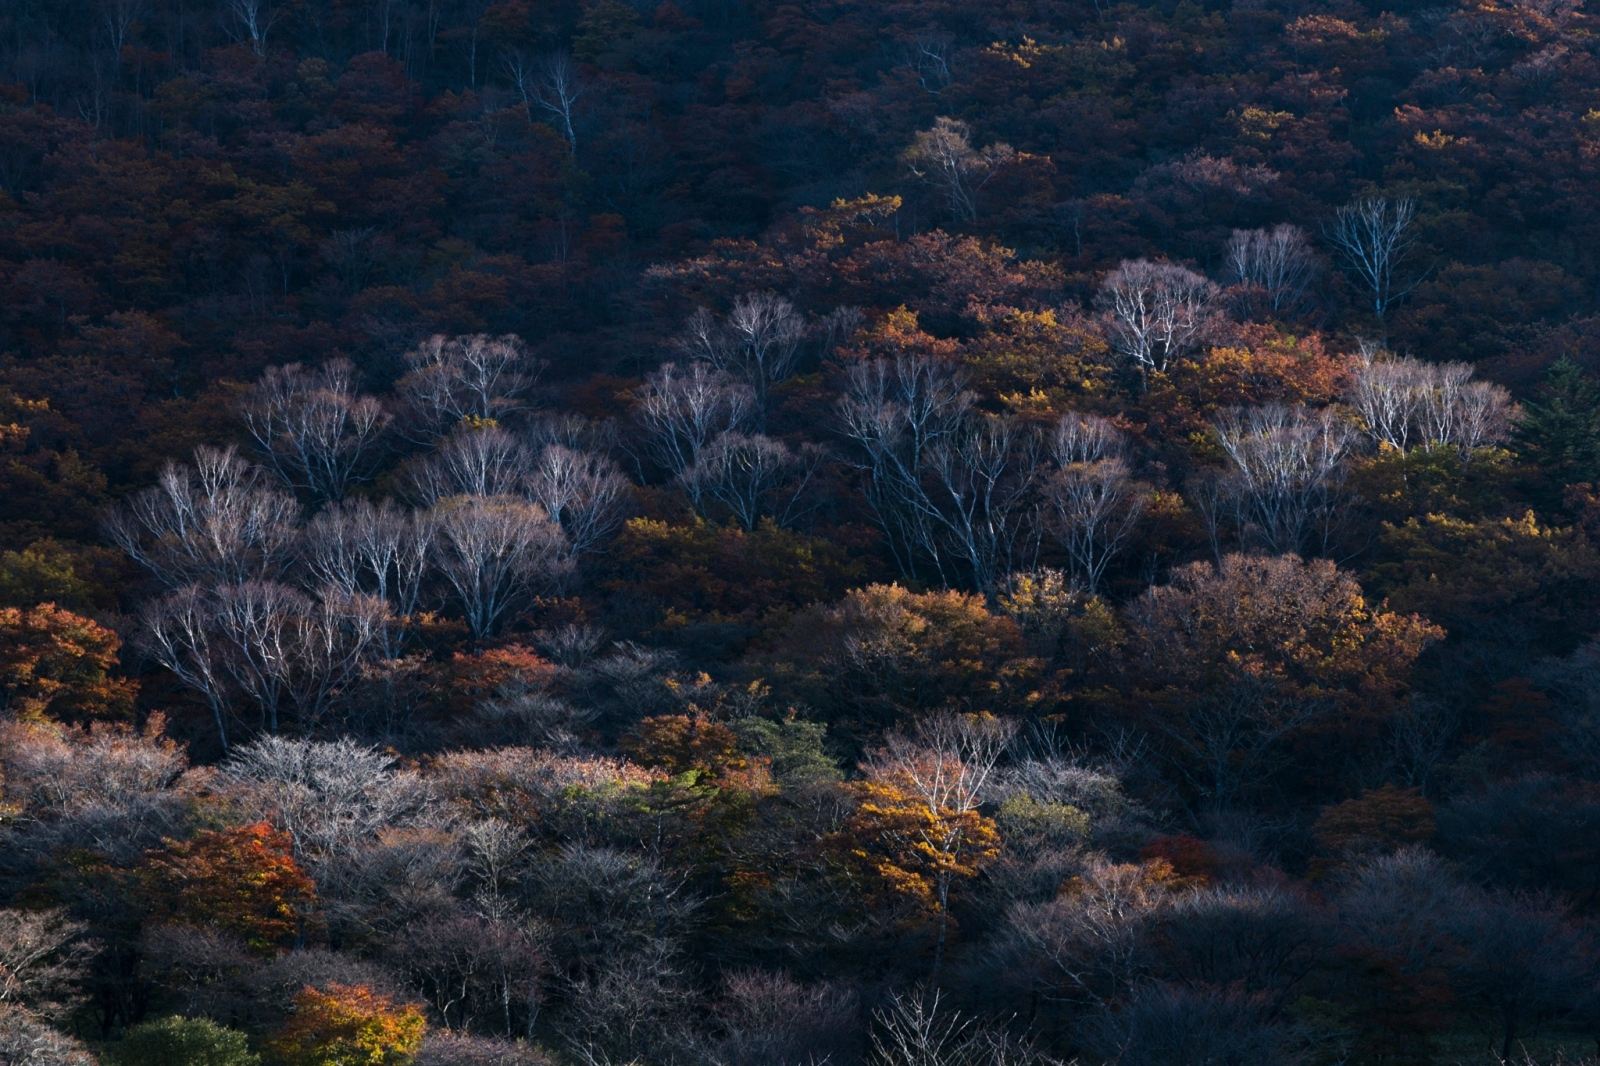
(250,20)
(584,493)
(772,1018)
(329,796)
(983,489)
(943,157)
(27,1041)
(917,1029)
(44,954)
(265,643)
(1406,403)
(897,413)
(1277,264)
(682,409)
(927,53)
(1093,499)
(475,460)
(1287,473)
(758,342)
(311,425)
(475,378)
(548,83)
(474,971)
(1374,237)
(753,476)
(219,520)
(379,550)
(1157,311)
(1096,936)
(1163,1024)
(494,552)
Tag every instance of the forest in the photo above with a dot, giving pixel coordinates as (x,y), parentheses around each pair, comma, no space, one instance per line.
(799,533)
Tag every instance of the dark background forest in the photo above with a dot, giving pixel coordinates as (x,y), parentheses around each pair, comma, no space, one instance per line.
(735,531)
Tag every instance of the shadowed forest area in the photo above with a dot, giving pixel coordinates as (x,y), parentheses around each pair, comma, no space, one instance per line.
(799,532)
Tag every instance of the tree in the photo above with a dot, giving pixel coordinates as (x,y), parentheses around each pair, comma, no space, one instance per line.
(1093,499)
(219,520)
(378,550)
(56,664)
(475,972)
(311,425)
(192,1041)
(1522,959)
(943,157)
(477,459)
(349,1025)
(897,412)
(1235,662)
(1407,403)
(243,881)
(287,653)
(1094,938)
(550,83)
(918,828)
(475,378)
(44,955)
(494,552)
(582,492)
(1284,488)
(1560,431)
(1157,312)
(758,342)
(1275,267)
(754,477)
(680,410)
(329,796)
(27,1041)
(1375,238)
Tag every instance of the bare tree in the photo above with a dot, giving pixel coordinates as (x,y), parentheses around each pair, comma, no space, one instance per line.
(250,20)
(1093,498)
(897,413)
(1157,311)
(753,476)
(475,460)
(43,956)
(1276,264)
(329,796)
(918,1030)
(680,410)
(983,490)
(943,157)
(28,1041)
(757,343)
(217,520)
(310,424)
(550,84)
(1373,235)
(1095,936)
(1287,473)
(265,643)
(1405,402)
(584,493)
(494,552)
(475,971)
(377,550)
(475,378)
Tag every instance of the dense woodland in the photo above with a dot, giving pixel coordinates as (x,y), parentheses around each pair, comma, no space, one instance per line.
(577,532)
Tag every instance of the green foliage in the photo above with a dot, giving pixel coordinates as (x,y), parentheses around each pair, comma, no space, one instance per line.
(1560,430)
(187,1041)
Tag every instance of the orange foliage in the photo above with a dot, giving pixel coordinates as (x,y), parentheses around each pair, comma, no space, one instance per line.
(244,881)
(56,664)
(349,1025)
